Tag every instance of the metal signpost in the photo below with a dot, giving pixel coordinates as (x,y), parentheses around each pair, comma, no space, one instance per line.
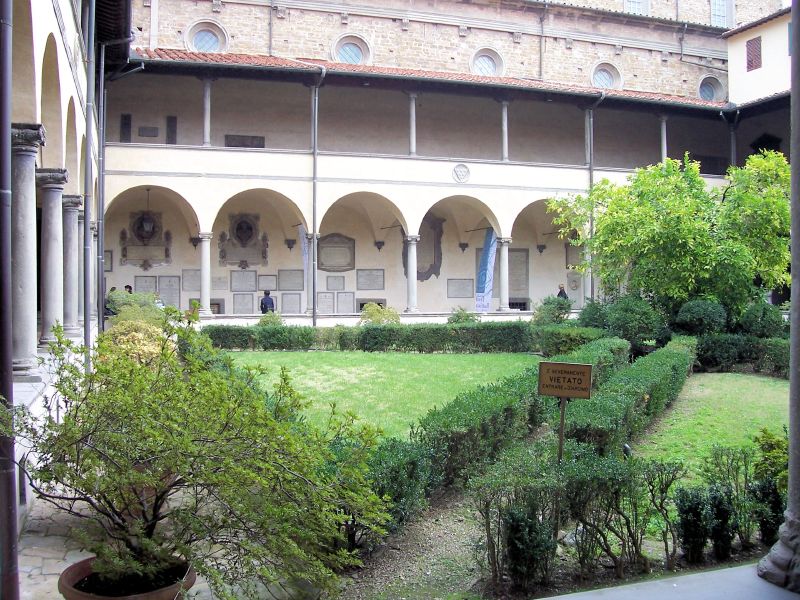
(564,381)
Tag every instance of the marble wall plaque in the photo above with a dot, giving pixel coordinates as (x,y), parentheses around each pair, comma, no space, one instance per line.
(460,288)
(325,303)
(191,280)
(291,279)
(243,304)
(574,284)
(169,289)
(335,282)
(243,281)
(145,283)
(108,260)
(336,252)
(345,303)
(219,283)
(290,304)
(267,282)
(153,254)
(369,279)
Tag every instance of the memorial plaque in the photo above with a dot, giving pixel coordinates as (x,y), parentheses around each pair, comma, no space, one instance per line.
(267,282)
(243,281)
(191,280)
(336,252)
(573,284)
(369,279)
(147,284)
(335,282)
(108,260)
(290,304)
(565,380)
(291,279)
(243,304)
(219,283)
(325,303)
(345,303)
(152,254)
(169,289)
(460,288)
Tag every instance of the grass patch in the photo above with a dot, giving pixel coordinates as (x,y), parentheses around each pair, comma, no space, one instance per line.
(716,408)
(391,390)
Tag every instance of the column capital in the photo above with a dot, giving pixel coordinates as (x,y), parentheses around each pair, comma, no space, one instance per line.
(93,227)
(27,136)
(413,95)
(72,201)
(505,103)
(504,241)
(663,118)
(205,235)
(51,178)
(412,239)
(310,236)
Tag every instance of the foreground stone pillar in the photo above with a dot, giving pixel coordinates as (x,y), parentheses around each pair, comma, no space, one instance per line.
(504,131)
(72,247)
(25,142)
(205,273)
(412,124)
(664,154)
(308,265)
(50,183)
(81,267)
(502,245)
(411,273)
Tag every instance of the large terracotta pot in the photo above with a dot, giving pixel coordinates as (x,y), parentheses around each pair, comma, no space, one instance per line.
(74,573)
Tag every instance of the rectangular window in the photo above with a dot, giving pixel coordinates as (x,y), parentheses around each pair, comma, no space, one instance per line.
(172,130)
(719,13)
(754,54)
(244,141)
(637,7)
(125,128)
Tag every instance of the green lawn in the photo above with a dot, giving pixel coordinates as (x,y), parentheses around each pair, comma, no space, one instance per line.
(722,408)
(390,390)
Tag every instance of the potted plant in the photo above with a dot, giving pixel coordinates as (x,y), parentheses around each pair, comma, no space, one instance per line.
(176,460)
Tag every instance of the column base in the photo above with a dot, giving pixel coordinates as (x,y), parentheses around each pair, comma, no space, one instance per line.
(25,370)
(782,565)
(204,313)
(72,330)
(411,310)
(503,309)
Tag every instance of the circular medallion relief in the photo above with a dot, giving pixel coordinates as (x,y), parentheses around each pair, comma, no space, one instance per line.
(461,173)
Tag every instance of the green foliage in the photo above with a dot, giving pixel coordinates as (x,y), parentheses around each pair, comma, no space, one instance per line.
(594,314)
(530,547)
(461,315)
(270,318)
(772,356)
(375,314)
(699,317)
(285,337)
(634,319)
(763,320)
(134,307)
(180,456)
(562,338)
(692,526)
(769,509)
(721,515)
(139,339)
(506,336)
(231,337)
(551,310)
(724,350)
(772,459)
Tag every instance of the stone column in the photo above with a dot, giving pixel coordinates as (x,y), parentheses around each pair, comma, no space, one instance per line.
(732,134)
(663,119)
(411,273)
(25,142)
(502,246)
(50,183)
(72,247)
(93,283)
(504,119)
(206,112)
(81,225)
(205,273)
(412,124)
(310,274)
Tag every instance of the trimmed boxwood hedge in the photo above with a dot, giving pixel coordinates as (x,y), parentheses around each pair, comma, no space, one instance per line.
(560,339)
(231,337)
(281,337)
(723,351)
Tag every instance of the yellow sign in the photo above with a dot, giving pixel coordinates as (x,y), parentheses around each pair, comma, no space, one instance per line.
(565,380)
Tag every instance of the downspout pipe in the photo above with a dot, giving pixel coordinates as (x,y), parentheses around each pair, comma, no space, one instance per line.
(9,567)
(590,153)
(541,41)
(89,194)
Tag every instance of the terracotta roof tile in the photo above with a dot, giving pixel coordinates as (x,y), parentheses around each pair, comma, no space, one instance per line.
(256,60)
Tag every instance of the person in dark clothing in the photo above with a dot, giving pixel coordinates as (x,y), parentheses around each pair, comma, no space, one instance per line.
(129,289)
(108,311)
(562,292)
(267,303)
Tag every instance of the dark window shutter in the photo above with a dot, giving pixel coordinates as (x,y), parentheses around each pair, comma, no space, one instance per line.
(754,54)
(172,130)
(125,128)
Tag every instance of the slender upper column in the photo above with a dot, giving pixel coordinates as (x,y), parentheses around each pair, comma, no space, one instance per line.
(504,119)
(412,124)
(663,119)
(206,112)
(411,273)
(93,282)
(72,206)
(503,244)
(309,267)
(50,184)
(25,142)
(732,133)
(205,273)
(81,225)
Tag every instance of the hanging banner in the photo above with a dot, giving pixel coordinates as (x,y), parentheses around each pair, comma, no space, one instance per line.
(301,232)
(485,282)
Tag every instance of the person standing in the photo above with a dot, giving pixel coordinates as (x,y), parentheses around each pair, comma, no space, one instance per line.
(267,303)
(562,293)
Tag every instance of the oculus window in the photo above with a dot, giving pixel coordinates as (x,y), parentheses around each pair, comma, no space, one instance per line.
(487,62)
(711,89)
(352,50)
(606,76)
(206,36)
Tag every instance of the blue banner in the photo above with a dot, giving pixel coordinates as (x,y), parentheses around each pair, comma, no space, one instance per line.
(485,282)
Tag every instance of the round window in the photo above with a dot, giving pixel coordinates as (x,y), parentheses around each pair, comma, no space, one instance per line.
(351,53)
(710,89)
(206,40)
(606,76)
(206,36)
(351,49)
(485,65)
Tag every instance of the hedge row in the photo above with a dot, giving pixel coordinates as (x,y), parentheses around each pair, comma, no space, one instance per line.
(507,336)
(560,339)
(631,398)
(722,351)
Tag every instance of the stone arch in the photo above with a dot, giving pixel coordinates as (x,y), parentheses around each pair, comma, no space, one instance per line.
(24,106)
(468,214)
(371,207)
(286,211)
(158,196)
(51,107)
(72,156)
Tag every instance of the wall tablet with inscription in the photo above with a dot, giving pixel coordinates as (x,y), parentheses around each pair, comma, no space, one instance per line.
(335,283)
(169,290)
(336,252)
(267,282)
(145,283)
(243,281)
(243,304)
(326,303)
(291,279)
(290,304)
(370,279)
(345,303)
(460,288)
(191,280)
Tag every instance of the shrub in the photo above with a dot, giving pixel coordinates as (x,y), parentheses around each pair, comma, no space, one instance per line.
(721,516)
(762,320)
(270,318)
(140,340)
(699,317)
(769,509)
(348,337)
(231,337)
(376,314)
(772,356)
(724,350)
(530,547)
(594,314)
(551,310)
(461,315)
(560,339)
(772,459)
(692,506)
(633,319)
(282,337)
